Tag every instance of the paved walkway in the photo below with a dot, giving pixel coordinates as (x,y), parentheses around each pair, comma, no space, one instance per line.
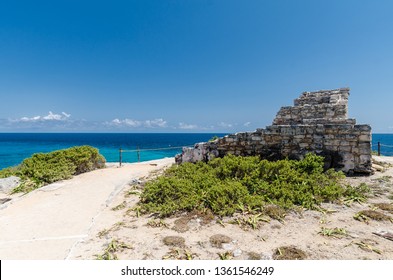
(49,222)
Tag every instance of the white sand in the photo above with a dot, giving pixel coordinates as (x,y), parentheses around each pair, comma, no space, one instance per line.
(49,222)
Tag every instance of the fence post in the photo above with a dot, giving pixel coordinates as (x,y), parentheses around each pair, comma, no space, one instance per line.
(120,156)
(379,148)
(139,154)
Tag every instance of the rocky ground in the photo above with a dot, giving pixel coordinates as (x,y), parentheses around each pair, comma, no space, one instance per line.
(350,230)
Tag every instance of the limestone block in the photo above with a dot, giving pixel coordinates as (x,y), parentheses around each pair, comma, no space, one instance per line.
(345,149)
(365,138)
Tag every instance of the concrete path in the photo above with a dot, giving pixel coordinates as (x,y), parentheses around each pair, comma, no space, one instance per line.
(49,222)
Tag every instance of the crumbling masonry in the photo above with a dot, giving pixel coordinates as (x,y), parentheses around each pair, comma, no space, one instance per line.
(317,123)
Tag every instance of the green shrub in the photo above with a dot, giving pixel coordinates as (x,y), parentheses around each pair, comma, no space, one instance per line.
(9,171)
(42,169)
(224,185)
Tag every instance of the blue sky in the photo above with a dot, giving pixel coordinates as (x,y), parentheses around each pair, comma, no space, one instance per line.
(188,66)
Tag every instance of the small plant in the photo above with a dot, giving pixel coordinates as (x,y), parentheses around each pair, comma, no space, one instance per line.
(214,138)
(133,191)
(356,194)
(333,232)
(117,226)
(367,247)
(120,206)
(225,256)
(136,210)
(250,221)
(254,221)
(157,223)
(179,254)
(103,233)
(113,247)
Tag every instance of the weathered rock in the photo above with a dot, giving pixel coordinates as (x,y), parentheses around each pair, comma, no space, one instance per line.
(316,123)
(8,184)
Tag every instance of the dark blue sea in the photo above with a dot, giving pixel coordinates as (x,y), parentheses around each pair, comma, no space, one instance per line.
(15,147)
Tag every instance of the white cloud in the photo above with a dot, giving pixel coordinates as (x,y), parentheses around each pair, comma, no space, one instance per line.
(247,124)
(126,122)
(50,117)
(155,123)
(225,125)
(160,123)
(187,126)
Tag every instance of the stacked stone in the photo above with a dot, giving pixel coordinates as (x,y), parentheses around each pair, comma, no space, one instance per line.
(316,123)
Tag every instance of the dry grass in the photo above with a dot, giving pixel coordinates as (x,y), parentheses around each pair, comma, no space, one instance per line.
(289,253)
(218,239)
(174,241)
(254,256)
(274,212)
(366,215)
(385,207)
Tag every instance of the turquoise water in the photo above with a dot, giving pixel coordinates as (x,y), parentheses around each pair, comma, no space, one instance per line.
(14,147)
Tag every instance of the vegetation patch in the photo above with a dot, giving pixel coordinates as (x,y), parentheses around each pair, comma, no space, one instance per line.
(366,215)
(45,168)
(333,232)
(289,253)
(225,256)
(157,223)
(252,221)
(274,212)
(218,239)
(174,241)
(225,185)
(356,194)
(179,254)
(113,247)
(368,246)
(385,206)
(120,206)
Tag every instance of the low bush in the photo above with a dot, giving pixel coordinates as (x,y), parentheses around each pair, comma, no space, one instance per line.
(224,184)
(46,168)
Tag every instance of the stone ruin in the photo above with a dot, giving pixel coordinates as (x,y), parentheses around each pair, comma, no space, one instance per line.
(318,123)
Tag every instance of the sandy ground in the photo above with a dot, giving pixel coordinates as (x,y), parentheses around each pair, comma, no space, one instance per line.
(121,233)
(50,222)
(115,230)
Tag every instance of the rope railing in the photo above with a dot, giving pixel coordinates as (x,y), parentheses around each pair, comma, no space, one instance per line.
(138,151)
(379,145)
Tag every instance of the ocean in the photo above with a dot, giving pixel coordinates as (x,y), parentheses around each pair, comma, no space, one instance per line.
(15,147)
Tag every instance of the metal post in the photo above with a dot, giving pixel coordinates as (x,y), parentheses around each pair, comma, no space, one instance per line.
(120,156)
(379,148)
(139,154)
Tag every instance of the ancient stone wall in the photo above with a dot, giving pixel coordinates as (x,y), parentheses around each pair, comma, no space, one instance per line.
(316,123)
